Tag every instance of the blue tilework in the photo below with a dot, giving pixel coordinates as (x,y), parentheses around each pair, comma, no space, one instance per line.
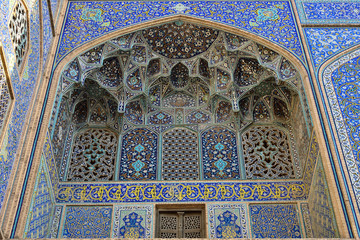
(311,162)
(86,21)
(321,209)
(47,31)
(87,222)
(219,154)
(133,221)
(51,163)
(275,221)
(305,212)
(346,82)
(54,6)
(139,155)
(55,223)
(41,205)
(179,192)
(23,86)
(328,12)
(324,43)
(227,221)
(341,83)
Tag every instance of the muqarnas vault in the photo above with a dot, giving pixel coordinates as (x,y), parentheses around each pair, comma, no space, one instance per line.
(212,122)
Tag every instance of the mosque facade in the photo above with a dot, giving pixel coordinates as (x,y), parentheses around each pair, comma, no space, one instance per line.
(179,119)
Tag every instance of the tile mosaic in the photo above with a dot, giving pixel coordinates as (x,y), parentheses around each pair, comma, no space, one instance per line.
(275,221)
(47,31)
(227,221)
(23,85)
(55,223)
(40,207)
(50,161)
(324,43)
(341,81)
(321,210)
(180,192)
(328,12)
(87,222)
(306,219)
(262,18)
(312,157)
(135,221)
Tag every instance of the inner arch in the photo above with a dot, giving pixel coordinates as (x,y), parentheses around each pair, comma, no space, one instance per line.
(191,79)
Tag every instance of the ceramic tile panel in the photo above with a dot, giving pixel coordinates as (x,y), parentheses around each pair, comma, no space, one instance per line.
(133,221)
(275,221)
(328,12)
(87,222)
(262,18)
(227,221)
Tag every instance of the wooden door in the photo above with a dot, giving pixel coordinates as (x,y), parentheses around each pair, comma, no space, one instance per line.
(180,224)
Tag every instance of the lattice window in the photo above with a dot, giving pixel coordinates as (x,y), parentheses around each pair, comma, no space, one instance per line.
(180,155)
(192,225)
(5,96)
(169,225)
(267,153)
(93,156)
(180,224)
(18,27)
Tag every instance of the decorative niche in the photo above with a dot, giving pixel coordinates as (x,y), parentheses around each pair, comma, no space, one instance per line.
(207,105)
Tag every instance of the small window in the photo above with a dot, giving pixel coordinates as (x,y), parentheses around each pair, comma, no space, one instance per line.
(6,95)
(183,222)
(18,27)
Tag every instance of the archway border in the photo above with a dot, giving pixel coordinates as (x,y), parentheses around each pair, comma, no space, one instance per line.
(342,147)
(48,90)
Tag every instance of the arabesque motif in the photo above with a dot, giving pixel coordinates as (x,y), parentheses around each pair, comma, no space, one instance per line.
(180,192)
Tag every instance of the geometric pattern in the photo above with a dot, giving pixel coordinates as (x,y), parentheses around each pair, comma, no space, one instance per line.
(40,210)
(275,221)
(180,155)
(172,77)
(198,117)
(219,154)
(321,211)
(133,221)
(138,155)
(256,18)
(180,34)
(160,118)
(227,221)
(87,222)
